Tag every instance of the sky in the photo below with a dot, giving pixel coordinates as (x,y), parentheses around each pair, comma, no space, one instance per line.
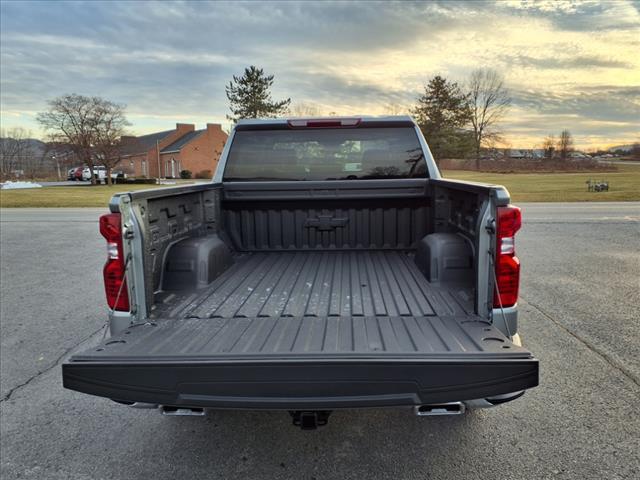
(573,64)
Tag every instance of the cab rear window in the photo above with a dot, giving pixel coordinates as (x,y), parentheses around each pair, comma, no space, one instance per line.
(325,154)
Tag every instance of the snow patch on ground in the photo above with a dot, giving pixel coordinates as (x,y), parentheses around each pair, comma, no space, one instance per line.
(9,185)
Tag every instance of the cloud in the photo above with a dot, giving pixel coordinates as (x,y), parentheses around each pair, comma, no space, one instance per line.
(562,60)
(568,62)
(582,15)
(585,102)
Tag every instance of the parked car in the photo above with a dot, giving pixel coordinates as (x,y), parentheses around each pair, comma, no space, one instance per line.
(100,173)
(75,173)
(327,266)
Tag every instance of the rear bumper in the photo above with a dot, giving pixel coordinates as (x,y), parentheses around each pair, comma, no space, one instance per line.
(301,385)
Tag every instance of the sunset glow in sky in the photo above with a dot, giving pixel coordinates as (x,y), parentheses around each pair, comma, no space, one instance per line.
(572,65)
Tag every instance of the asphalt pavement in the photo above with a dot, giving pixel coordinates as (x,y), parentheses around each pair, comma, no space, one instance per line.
(579,313)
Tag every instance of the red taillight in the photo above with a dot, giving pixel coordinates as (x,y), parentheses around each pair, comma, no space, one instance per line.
(324,123)
(115,284)
(509,221)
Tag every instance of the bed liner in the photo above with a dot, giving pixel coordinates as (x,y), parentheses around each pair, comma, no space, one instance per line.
(318,284)
(304,363)
(308,330)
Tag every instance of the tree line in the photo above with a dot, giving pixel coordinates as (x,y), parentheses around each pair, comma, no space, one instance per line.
(455,121)
(561,147)
(458,120)
(18,153)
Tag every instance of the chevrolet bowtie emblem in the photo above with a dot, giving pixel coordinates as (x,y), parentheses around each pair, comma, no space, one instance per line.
(325,222)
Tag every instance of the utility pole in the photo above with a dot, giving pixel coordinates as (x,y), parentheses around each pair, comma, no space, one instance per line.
(55,159)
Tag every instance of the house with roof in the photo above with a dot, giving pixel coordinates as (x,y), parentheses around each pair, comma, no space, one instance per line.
(165,154)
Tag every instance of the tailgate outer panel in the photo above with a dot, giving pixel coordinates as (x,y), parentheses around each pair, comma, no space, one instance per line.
(301,385)
(399,361)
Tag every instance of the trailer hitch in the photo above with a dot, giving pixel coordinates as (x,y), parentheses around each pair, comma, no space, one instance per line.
(310,419)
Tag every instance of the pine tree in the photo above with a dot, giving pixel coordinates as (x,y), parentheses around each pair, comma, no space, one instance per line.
(441,113)
(249,96)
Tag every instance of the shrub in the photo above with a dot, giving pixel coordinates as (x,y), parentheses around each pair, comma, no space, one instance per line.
(204,174)
(185,174)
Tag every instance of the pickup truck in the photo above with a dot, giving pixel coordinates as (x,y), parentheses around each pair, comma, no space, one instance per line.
(99,172)
(326,266)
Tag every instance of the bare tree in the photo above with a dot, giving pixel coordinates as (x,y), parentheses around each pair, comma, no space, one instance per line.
(489,101)
(22,155)
(565,144)
(70,119)
(12,150)
(306,110)
(109,128)
(549,146)
(83,123)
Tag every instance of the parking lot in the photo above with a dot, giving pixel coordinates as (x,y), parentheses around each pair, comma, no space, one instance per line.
(579,313)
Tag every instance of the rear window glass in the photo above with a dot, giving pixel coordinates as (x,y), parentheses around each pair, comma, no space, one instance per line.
(325,154)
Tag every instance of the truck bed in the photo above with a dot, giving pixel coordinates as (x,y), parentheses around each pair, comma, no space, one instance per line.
(262,292)
(318,284)
(308,330)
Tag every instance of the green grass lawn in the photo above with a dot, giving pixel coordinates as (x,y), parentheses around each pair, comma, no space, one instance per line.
(624,185)
(80,196)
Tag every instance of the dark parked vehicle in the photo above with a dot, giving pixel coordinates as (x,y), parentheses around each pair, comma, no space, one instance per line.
(326,266)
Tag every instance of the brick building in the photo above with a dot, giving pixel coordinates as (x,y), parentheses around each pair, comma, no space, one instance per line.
(183,148)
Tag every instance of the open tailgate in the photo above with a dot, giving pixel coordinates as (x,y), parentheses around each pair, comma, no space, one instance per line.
(304,362)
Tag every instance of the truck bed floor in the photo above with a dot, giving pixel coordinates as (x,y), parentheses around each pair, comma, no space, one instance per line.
(307,337)
(307,330)
(303,363)
(317,284)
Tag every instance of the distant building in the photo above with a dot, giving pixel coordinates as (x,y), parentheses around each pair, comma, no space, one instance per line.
(621,148)
(536,153)
(578,155)
(524,153)
(518,154)
(183,148)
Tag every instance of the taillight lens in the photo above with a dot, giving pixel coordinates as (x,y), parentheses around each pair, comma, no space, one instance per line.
(509,221)
(115,284)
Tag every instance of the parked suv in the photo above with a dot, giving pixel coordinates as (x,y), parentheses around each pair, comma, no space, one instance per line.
(99,172)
